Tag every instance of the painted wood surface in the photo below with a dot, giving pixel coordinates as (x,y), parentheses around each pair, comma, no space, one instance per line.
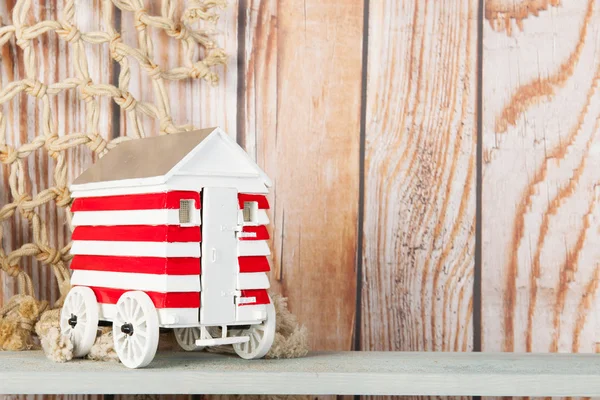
(419,177)
(300,114)
(350,372)
(541,186)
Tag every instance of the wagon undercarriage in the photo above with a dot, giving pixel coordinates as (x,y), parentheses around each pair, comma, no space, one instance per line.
(136,328)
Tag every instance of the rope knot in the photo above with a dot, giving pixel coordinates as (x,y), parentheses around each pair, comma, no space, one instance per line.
(23,205)
(97,144)
(154,71)
(86,91)
(199,70)
(165,123)
(63,196)
(138,17)
(180,32)
(23,198)
(126,102)
(37,90)
(69,33)
(23,43)
(114,50)
(49,255)
(18,318)
(50,146)
(201,9)
(12,270)
(8,154)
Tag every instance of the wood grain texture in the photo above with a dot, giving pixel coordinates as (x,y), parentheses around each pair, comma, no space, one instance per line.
(541,135)
(506,15)
(419,178)
(301,113)
(24,116)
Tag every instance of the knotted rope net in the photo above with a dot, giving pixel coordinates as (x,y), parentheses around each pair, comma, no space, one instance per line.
(200,54)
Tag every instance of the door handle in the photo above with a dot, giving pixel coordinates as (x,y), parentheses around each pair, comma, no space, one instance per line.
(213,255)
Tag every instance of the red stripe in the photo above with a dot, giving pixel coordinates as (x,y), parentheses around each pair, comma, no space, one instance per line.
(254,264)
(262,297)
(146,201)
(139,233)
(160,300)
(261,233)
(139,265)
(263,203)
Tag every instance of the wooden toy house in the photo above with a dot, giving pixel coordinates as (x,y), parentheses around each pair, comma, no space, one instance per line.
(170,232)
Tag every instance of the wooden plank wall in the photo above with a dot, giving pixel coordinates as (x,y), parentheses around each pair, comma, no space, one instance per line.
(419,176)
(301,118)
(435,163)
(541,163)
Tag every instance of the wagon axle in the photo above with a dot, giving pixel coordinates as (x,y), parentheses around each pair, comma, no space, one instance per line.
(73,320)
(127,329)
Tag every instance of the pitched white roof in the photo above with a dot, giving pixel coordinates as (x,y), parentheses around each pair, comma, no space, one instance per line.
(205,152)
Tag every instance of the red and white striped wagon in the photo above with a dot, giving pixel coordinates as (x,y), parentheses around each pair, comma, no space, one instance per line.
(170,232)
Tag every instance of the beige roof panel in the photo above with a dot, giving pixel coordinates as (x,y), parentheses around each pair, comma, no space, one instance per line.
(143,158)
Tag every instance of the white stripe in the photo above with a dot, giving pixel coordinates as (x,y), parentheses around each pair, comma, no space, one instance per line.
(167,317)
(80,191)
(253,280)
(251,314)
(133,281)
(148,217)
(131,217)
(254,248)
(136,249)
(261,218)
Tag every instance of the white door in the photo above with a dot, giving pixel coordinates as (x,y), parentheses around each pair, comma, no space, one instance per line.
(219,255)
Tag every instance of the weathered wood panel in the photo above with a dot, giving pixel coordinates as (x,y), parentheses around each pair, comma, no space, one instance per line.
(541,135)
(301,114)
(420,170)
(54,63)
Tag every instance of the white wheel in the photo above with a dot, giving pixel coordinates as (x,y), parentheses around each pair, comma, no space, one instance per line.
(79,319)
(261,337)
(135,329)
(186,338)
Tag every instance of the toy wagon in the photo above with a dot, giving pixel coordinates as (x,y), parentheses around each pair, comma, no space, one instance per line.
(170,233)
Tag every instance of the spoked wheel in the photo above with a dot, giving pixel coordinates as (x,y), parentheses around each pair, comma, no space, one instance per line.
(135,329)
(261,337)
(186,338)
(79,319)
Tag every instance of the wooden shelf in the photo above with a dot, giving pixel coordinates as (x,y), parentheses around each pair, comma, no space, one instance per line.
(484,374)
